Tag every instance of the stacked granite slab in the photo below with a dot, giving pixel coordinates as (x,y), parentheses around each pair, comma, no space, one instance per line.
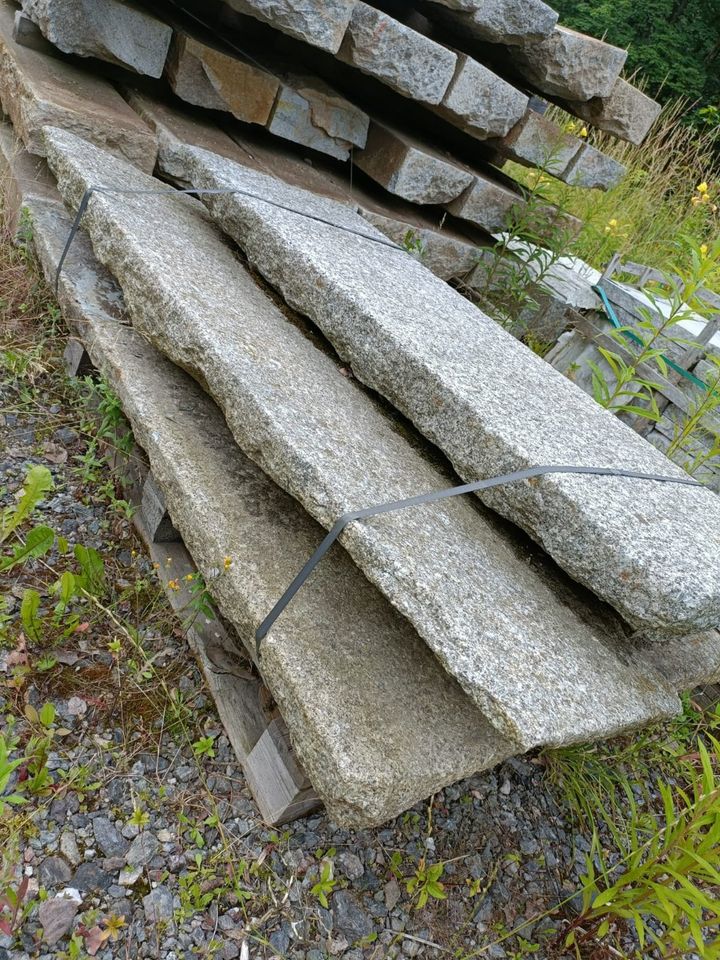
(525,644)
(434,641)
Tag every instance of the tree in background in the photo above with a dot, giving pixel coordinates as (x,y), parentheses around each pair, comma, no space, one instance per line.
(675,44)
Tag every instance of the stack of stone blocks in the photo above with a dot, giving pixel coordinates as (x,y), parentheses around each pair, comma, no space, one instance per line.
(432,642)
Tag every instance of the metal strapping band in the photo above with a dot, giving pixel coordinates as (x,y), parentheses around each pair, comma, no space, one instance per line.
(424,498)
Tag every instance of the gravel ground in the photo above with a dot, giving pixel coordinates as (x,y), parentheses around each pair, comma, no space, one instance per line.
(147,843)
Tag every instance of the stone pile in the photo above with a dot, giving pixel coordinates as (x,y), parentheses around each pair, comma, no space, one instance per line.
(283,362)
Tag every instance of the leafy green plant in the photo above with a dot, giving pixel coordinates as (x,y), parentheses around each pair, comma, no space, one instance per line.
(512,279)
(326,884)
(425,883)
(666,879)
(39,541)
(9,797)
(629,389)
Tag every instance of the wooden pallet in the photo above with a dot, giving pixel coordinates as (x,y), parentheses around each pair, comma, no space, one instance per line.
(254,728)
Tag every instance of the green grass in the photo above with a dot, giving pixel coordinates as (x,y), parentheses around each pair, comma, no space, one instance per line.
(656,204)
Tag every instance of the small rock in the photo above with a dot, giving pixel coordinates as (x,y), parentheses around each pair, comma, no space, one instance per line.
(351,865)
(506,788)
(69,848)
(76,707)
(108,838)
(89,876)
(129,876)
(280,939)
(142,850)
(54,871)
(392,894)
(130,831)
(349,918)
(165,836)
(56,917)
(158,906)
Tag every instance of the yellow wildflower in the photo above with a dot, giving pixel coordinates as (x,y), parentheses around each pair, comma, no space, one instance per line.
(584,132)
(704,249)
(702,188)
(189,577)
(227,563)
(173,585)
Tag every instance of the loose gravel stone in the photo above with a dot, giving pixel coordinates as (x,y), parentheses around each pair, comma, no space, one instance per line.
(56,917)
(108,839)
(54,871)
(142,850)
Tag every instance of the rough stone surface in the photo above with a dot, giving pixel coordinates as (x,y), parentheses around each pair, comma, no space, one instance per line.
(399,56)
(142,850)
(108,838)
(480,102)
(37,90)
(309,113)
(56,917)
(421,346)
(173,128)
(627,112)
(440,246)
(25,178)
(571,65)
(54,871)
(409,169)
(107,29)
(332,113)
(592,168)
(349,918)
(537,142)
(345,666)
(27,34)
(321,23)
(496,21)
(523,641)
(247,91)
(158,906)
(446,253)
(187,77)
(486,203)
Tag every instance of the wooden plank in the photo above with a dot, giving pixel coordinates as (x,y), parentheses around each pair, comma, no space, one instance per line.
(157,519)
(278,783)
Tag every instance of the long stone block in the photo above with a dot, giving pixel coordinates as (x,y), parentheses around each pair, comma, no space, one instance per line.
(480,101)
(247,91)
(571,65)
(542,660)
(116,32)
(320,23)
(536,141)
(36,89)
(592,168)
(376,721)
(493,406)
(302,109)
(310,113)
(410,169)
(514,22)
(440,245)
(208,78)
(627,112)
(487,203)
(397,55)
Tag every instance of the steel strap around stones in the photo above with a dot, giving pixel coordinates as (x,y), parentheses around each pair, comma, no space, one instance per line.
(433,497)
